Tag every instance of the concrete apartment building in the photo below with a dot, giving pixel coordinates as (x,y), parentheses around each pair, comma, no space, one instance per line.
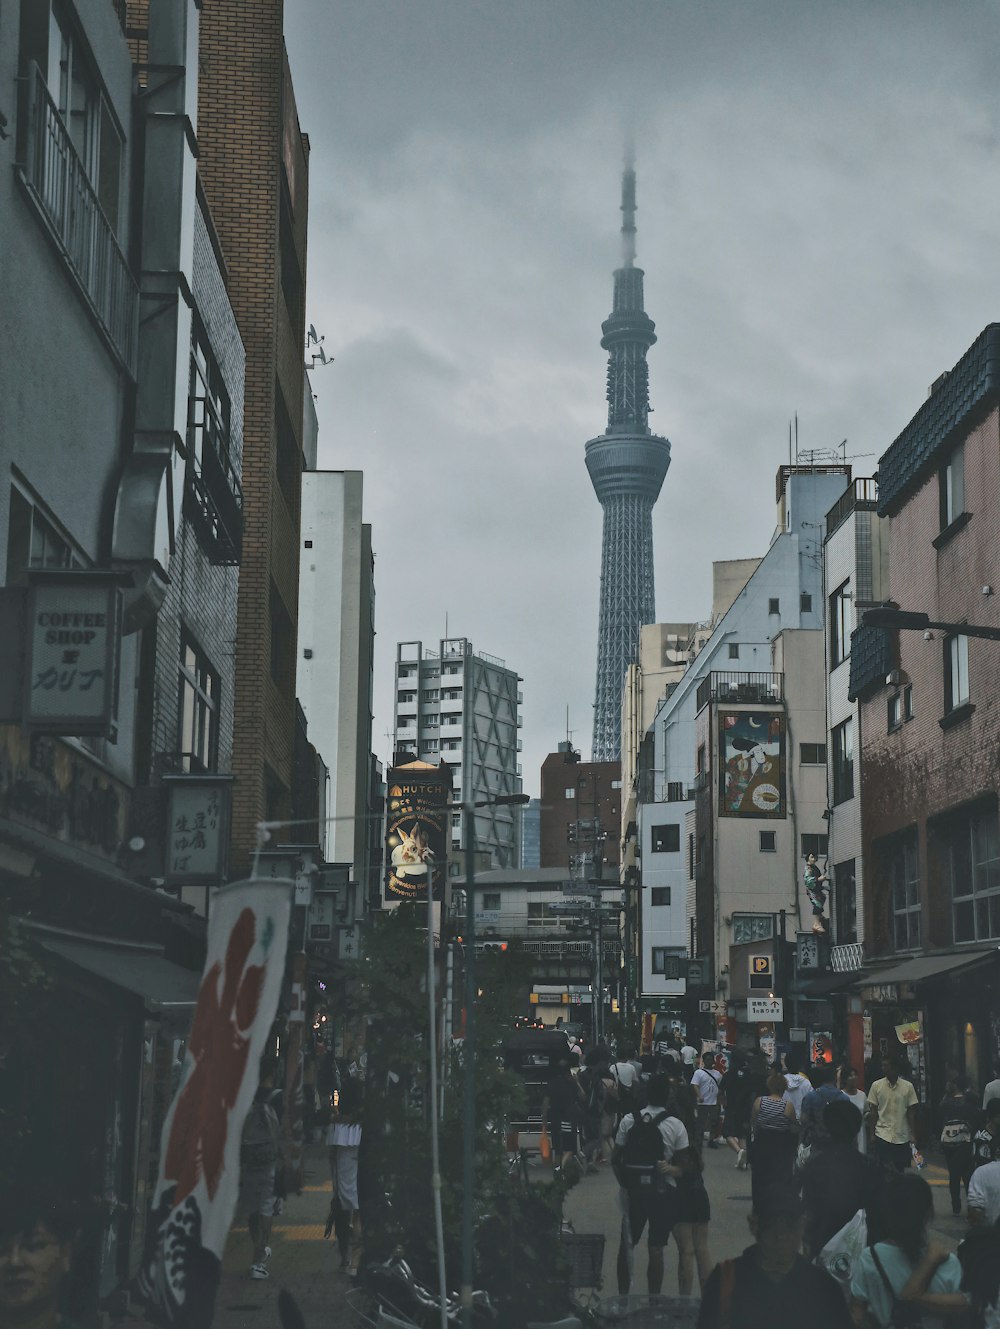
(460,707)
(254,167)
(336,647)
(930,730)
(580,814)
(773,627)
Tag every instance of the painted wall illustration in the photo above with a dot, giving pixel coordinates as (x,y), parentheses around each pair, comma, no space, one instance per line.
(751,764)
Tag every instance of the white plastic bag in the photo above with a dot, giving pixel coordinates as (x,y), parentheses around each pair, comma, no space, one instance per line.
(842,1252)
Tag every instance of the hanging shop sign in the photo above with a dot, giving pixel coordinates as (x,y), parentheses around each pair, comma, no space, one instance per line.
(417,815)
(197,828)
(74,624)
(909,1032)
(761,974)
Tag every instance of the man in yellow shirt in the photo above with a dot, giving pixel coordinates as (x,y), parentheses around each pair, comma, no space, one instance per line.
(892,1114)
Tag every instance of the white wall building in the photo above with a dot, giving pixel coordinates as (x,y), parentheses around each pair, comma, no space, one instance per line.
(463,708)
(336,643)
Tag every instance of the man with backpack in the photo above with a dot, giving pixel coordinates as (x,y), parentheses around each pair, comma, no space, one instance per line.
(646,1149)
(705,1082)
(624,1094)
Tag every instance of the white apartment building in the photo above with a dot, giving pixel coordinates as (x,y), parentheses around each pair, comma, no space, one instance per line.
(457,706)
(783,593)
(856,553)
(336,644)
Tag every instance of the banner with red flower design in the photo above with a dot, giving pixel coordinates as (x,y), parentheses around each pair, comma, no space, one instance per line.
(199,1180)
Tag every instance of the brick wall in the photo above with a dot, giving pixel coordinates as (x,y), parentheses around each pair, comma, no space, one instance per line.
(922,770)
(247,131)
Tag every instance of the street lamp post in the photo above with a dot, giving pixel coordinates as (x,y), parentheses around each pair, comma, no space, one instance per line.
(888,616)
(469,1046)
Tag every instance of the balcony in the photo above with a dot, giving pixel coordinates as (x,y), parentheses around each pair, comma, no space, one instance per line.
(214,491)
(735,688)
(861,496)
(848,958)
(57,182)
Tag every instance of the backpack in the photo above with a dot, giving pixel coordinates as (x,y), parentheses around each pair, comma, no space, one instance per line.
(259,1144)
(636,1160)
(621,1094)
(956,1132)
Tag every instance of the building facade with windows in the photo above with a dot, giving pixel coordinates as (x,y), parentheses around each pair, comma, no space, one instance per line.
(463,708)
(580,814)
(927,698)
(772,625)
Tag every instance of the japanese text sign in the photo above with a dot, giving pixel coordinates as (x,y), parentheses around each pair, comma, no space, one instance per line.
(74,635)
(765,1009)
(197,827)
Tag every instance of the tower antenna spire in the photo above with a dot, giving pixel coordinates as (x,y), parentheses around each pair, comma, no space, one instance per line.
(628,208)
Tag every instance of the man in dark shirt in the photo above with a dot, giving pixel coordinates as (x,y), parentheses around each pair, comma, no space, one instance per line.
(770,1283)
(811,1120)
(561,1108)
(837,1180)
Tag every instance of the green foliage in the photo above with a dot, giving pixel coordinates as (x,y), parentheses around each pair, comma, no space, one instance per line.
(517,1229)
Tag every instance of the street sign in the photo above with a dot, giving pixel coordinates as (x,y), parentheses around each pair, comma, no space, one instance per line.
(765,1009)
(761,976)
(712,1007)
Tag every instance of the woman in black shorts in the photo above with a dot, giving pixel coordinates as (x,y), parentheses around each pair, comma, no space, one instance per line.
(691,1228)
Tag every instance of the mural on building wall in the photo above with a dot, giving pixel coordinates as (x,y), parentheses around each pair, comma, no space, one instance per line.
(751,764)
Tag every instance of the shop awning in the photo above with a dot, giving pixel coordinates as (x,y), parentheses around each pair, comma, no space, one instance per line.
(921,967)
(142,970)
(840,982)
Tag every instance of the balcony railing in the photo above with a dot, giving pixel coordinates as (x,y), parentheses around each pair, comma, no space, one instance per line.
(847,958)
(740,688)
(57,181)
(861,496)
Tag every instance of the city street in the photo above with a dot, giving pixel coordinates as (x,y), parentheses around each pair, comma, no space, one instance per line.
(308,1266)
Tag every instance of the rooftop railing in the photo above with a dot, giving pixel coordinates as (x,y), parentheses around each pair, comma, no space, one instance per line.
(741,688)
(862,496)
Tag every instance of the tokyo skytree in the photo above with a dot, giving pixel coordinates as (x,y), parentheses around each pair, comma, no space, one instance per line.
(627,465)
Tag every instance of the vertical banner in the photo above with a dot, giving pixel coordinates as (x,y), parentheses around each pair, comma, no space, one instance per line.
(199,1179)
(416,830)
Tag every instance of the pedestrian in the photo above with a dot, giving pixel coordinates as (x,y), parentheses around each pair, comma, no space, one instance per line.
(39,1229)
(816,884)
(848,1081)
(797,1085)
(260,1151)
(986,1140)
(837,1180)
(646,1164)
(683,1102)
(663,1047)
(736,1094)
(774,1135)
(813,1135)
(897,1280)
(694,1212)
(343,1139)
(992,1089)
(959,1113)
(626,1080)
(771,1283)
(705,1082)
(562,1110)
(983,1199)
(689,1057)
(893,1116)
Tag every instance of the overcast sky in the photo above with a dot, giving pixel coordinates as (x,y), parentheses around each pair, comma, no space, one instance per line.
(819,217)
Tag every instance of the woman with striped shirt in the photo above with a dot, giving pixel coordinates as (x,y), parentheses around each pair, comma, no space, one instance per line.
(774,1131)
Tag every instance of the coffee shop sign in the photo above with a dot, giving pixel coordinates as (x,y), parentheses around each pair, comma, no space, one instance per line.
(74,636)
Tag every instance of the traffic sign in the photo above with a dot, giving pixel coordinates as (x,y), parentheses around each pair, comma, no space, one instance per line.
(767,1010)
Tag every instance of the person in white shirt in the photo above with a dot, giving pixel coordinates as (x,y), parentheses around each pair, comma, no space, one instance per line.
(705,1082)
(849,1084)
(689,1057)
(992,1090)
(798,1084)
(983,1197)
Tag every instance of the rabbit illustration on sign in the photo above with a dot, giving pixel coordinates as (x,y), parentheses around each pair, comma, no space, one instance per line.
(412,855)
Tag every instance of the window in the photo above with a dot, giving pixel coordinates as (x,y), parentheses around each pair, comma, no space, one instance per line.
(666,839)
(774,606)
(691,857)
(904,891)
(908,702)
(198,709)
(407,697)
(951,488)
(33,541)
(213,475)
(734,650)
(814,844)
(405,671)
(894,710)
(675,791)
(752,927)
(616,784)
(972,854)
(571,792)
(812,754)
(840,625)
(701,758)
(431,694)
(805,603)
(768,842)
(432,720)
(430,745)
(845,902)
(282,643)
(956,672)
(491,901)
(659,896)
(664,964)
(842,741)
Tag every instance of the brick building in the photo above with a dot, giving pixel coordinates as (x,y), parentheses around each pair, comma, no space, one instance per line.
(253,165)
(930,735)
(580,799)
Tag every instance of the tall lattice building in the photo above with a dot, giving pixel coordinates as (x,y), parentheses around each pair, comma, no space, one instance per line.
(627,464)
